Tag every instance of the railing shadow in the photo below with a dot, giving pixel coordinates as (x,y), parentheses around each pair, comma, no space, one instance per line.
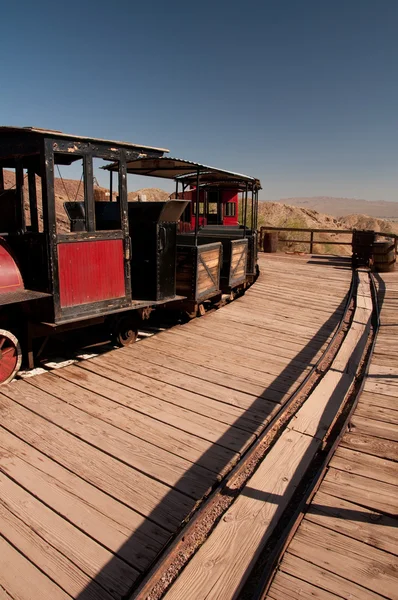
(331,260)
(305,356)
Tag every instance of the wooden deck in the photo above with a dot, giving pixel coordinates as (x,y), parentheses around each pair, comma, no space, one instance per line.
(347,543)
(101,462)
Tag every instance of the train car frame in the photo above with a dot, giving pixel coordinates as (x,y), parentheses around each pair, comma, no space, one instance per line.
(50,280)
(202,271)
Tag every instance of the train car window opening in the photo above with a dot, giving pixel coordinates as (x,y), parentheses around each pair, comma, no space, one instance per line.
(230,209)
(27,207)
(69,193)
(213,208)
(8,199)
(106,195)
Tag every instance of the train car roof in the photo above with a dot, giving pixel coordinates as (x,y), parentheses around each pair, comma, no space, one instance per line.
(184,170)
(67,136)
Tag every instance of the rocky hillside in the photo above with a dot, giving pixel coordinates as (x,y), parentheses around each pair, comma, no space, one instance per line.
(339,207)
(276,214)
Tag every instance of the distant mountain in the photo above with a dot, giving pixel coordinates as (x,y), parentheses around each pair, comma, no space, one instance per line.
(341,207)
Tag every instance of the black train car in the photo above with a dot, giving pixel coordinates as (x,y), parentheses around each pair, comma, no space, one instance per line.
(51,280)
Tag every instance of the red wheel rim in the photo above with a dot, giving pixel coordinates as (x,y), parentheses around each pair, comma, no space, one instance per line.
(10,356)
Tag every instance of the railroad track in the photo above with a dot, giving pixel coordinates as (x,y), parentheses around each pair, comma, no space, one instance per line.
(109,458)
(230,546)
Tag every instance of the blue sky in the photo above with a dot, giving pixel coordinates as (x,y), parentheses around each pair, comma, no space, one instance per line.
(301,93)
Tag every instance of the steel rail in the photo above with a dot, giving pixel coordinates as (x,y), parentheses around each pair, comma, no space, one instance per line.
(276,556)
(143,586)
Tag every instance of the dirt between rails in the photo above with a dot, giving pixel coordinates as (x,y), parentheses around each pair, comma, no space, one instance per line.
(208,512)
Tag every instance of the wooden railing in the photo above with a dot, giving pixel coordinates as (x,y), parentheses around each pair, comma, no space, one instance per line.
(312,241)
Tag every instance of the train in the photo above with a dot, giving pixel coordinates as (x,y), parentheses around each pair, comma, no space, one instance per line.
(118,260)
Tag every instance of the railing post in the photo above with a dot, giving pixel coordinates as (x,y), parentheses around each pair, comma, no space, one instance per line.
(311,242)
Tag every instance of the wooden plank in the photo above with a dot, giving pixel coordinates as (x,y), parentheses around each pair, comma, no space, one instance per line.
(219,568)
(325,579)
(383,371)
(285,382)
(110,377)
(110,475)
(373,494)
(375,428)
(178,394)
(370,399)
(135,364)
(249,333)
(366,465)
(291,328)
(316,415)
(382,359)
(22,580)
(202,373)
(286,587)
(370,445)
(131,450)
(145,427)
(354,520)
(248,340)
(68,540)
(263,352)
(93,512)
(353,346)
(363,564)
(381,386)
(48,559)
(263,363)
(386,415)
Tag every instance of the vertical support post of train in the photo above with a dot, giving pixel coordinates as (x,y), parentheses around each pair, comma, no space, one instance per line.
(176,189)
(311,242)
(245,217)
(20,194)
(197,208)
(256,216)
(252,204)
(34,217)
(1,179)
(88,192)
(110,185)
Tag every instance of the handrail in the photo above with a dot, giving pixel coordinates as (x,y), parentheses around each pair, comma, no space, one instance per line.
(312,231)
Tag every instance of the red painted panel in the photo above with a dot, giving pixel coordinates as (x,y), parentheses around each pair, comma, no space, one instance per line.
(90,271)
(10,277)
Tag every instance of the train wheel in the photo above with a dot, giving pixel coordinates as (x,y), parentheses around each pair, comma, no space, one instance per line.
(125,331)
(10,356)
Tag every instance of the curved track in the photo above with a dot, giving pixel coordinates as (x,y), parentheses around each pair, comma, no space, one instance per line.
(103,461)
(346,546)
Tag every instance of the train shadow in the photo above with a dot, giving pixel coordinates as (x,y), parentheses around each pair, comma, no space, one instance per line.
(305,356)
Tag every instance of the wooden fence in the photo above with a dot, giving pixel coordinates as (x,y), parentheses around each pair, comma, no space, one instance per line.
(312,232)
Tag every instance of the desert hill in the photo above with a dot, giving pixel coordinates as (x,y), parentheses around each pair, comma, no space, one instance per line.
(276,214)
(339,207)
